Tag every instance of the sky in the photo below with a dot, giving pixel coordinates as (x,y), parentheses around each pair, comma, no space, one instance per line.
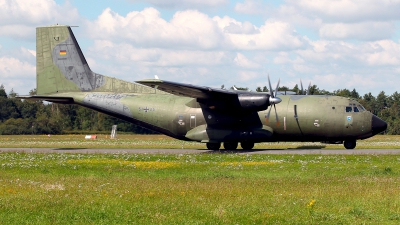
(334,44)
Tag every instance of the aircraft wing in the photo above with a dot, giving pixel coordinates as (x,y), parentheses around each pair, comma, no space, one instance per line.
(189,90)
(214,98)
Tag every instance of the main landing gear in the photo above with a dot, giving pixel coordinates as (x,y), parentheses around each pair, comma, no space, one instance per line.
(213,146)
(350,144)
(247,145)
(230,145)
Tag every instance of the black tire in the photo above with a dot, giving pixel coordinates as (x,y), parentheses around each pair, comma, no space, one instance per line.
(213,146)
(350,144)
(247,145)
(230,145)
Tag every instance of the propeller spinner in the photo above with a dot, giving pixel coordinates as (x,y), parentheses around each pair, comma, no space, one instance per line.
(273,100)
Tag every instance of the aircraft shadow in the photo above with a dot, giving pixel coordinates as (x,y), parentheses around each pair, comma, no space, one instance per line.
(223,151)
(68,149)
(261,150)
(308,147)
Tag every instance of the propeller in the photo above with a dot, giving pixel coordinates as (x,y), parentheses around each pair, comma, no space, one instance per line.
(302,91)
(309,87)
(273,100)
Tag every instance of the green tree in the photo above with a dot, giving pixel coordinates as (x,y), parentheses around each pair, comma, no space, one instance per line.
(12,94)
(296,89)
(314,90)
(3,93)
(354,94)
(343,93)
(283,88)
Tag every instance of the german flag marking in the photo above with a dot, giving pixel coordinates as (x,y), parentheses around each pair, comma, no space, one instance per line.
(63,52)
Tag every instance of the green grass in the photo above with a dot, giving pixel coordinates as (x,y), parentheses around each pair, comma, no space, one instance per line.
(199,189)
(160,141)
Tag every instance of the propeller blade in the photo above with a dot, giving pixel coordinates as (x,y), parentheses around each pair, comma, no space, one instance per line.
(270,87)
(273,100)
(276,89)
(302,90)
(277,119)
(267,116)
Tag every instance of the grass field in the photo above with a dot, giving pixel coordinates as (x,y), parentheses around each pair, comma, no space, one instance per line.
(161,141)
(199,189)
(195,188)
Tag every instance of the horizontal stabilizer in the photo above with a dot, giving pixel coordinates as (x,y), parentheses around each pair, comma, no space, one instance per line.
(54,99)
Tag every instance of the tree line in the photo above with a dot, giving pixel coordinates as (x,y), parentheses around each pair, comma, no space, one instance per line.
(36,117)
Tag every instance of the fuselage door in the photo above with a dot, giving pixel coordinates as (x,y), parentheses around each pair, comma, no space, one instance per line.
(192,121)
(348,117)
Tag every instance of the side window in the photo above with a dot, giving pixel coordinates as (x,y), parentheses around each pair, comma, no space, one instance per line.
(356,109)
(349,109)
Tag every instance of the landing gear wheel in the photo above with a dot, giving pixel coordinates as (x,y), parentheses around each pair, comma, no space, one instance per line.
(213,146)
(350,144)
(247,145)
(230,145)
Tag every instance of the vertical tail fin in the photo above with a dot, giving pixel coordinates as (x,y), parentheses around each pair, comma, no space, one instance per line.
(61,66)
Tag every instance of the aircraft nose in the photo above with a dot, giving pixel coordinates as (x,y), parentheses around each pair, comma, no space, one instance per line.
(378,125)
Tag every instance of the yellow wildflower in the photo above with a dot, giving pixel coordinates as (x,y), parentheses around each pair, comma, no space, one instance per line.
(311,203)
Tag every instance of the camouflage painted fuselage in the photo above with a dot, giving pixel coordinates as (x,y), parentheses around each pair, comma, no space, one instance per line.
(208,115)
(319,118)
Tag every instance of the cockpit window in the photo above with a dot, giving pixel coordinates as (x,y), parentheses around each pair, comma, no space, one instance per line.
(355,108)
(361,108)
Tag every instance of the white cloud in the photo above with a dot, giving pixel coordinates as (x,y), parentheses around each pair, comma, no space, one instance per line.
(273,35)
(242,61)
(247,76)
(205,49)
(241,28)
(14,68)
(186,4)
(187,29)
(381,53)
(250,7)
(125,53)
(16,74)
(18,18)
(348,11)
(361,31)
(378,53)
(193,30)
(363,83)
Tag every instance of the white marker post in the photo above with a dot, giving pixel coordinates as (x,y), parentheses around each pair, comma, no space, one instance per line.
(114,132)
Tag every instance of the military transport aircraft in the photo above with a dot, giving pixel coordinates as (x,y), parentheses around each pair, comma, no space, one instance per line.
(196,113)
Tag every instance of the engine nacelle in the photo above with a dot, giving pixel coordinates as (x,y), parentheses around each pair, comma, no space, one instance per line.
(253,101)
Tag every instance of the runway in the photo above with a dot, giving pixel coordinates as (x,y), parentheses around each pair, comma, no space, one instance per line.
(203,151)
